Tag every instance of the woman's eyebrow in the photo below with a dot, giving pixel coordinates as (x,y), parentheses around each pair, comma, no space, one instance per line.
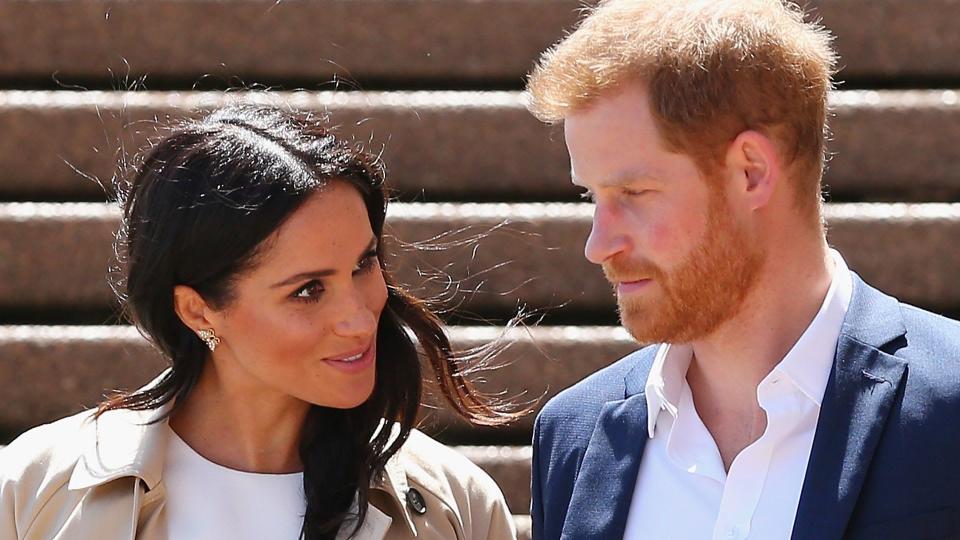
(315,274)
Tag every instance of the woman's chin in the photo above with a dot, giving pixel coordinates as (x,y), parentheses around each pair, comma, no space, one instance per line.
(347,397)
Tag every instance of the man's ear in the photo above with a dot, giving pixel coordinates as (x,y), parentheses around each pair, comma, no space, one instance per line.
(754,161)
(192,309)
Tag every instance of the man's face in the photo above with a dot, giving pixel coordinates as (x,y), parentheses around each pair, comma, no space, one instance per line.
(679,261)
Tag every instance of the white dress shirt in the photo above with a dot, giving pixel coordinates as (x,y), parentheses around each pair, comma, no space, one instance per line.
(683,491)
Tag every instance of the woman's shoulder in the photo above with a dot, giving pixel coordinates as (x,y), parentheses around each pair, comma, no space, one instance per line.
(45,452)
(440,467)
(448,478)
(36,468)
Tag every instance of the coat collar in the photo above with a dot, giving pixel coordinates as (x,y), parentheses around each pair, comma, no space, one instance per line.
(864,383)
(605,482)
(124,443)
(394,482)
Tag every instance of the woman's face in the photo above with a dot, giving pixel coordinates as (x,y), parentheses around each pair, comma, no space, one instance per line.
(303,321)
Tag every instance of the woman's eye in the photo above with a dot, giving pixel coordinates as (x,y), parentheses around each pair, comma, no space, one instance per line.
(368,262)
(587,196)
(634,192)
(310,291)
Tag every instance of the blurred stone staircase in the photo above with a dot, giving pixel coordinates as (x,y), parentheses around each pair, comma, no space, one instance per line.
(436,85)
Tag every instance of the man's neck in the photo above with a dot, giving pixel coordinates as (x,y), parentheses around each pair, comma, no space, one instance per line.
(729,364)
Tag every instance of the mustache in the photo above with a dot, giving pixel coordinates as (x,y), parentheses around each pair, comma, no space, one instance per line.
(619,269)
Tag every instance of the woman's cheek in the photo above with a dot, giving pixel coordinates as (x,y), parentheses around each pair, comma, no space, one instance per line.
(377,293)
(299,332)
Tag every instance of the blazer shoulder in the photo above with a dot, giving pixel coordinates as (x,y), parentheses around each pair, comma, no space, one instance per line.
(931,350)
(584,400)
(931,335)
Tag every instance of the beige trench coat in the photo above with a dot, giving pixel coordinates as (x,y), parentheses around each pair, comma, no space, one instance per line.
(79,479)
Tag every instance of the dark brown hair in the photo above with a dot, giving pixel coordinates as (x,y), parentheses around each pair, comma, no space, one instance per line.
(196,213)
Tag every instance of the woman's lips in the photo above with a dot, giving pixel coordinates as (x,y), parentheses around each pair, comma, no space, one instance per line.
(349,365)
(631,287)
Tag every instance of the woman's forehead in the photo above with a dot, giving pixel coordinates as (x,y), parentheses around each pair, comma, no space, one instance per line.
(330,229)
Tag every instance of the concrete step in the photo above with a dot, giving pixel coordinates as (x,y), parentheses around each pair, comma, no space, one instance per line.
(475,42)
(47,372)
(454,146)
(497,256)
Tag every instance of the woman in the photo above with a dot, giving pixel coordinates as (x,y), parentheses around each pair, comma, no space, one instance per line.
(251,257)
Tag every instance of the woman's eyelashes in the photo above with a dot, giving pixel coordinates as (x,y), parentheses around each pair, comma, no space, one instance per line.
(309,292)
(368,261)
(312,290)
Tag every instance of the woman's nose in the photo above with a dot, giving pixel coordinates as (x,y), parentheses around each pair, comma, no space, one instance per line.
(357,320)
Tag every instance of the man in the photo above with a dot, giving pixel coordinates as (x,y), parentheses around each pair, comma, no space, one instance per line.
(782,396)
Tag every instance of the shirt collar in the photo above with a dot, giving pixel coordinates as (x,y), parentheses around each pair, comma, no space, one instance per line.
(665,382)
(809,361)
(807,364)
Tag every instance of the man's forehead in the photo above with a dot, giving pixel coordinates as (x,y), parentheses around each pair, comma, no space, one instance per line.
(616,178)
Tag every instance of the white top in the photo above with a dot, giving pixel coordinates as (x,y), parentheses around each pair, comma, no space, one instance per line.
(206,501)
(683,491)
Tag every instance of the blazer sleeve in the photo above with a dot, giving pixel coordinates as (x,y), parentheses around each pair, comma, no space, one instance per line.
(536,489)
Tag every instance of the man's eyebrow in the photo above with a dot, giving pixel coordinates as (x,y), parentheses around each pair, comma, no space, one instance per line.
(315,274)
(619,179)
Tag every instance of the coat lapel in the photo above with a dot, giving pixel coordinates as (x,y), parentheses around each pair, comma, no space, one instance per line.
(604,486)
(863,386)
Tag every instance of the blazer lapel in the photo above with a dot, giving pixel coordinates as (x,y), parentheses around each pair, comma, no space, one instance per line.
(605,483)
(859,396)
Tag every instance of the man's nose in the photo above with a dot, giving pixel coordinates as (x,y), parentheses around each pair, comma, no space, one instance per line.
(606,236)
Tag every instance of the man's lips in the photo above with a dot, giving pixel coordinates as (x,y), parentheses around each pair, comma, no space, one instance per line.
(630,287)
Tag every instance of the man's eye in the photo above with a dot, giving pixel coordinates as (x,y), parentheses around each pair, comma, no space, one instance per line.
(634,192)
(587,196)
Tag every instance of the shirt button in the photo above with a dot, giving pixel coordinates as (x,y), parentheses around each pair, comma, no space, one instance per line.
(734,532)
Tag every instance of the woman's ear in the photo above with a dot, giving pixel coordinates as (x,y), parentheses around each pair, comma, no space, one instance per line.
(192,309)
(755,161)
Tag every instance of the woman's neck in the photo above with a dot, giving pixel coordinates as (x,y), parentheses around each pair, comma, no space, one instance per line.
(233,421)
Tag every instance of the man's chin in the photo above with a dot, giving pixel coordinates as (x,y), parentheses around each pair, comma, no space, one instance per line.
(642,324)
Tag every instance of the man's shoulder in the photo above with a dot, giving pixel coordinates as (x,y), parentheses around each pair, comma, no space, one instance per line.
(931,350)
(580,404)
(929,334)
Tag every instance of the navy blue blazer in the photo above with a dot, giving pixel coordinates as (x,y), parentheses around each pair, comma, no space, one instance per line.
(885,462)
